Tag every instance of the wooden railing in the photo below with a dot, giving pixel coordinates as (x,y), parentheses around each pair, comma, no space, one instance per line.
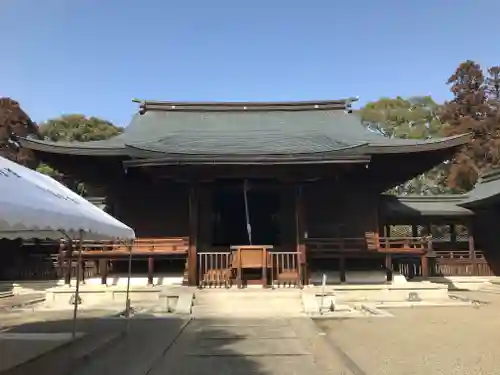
(458,254)
(214,269)
(218,269)
(398,245)
(140,246)
(285,268)
(324,247)
(446,263)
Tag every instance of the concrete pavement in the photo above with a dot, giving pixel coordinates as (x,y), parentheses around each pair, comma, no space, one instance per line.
(178,346)
(218,346)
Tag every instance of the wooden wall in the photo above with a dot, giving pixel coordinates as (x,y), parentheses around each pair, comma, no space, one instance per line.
(333,210)
(487,235)
(154,208)
(161,209)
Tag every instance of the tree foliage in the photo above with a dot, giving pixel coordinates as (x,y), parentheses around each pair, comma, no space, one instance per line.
(75,128)
(15,122)
(78,128)
(412,118)
(473,109)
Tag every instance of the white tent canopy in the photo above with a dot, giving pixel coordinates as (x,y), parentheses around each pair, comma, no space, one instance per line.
(33,205)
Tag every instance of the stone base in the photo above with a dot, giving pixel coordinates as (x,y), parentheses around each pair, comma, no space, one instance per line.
(412,292)
(166,279)
(167,299)
(463,282)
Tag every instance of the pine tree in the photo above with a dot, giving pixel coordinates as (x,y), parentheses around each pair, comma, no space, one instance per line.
(470,112)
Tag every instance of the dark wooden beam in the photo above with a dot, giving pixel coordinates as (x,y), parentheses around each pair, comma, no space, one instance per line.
(103,271)
(193,235)
(151,266)
(300,233)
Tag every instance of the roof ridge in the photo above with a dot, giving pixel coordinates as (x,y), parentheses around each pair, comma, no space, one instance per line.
(339,104)
(490,175)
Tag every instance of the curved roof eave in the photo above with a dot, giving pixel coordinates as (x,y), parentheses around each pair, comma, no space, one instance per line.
(81,149)
(106,148)
(413,206)
(142,156)
(420,146)
(486,191)
(148,150)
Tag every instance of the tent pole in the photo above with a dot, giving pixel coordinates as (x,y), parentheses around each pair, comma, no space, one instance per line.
(127,299)
(77,289)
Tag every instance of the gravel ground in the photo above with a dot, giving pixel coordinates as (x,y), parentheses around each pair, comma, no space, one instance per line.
(424,341)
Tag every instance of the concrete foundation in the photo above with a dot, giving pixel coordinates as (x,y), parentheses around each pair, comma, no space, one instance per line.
(258,302)
(410,291)
(164,299)
(166,279)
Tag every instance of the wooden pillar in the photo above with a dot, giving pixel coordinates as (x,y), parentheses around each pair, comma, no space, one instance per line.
(342,269)
(151,267)
(68,261)
(414,230)
(388,267)
(60,261)
(103,271)
(472,248)
(193,235)
(453,234)
(300,233)
(82,270)
(424,261)
(205,232)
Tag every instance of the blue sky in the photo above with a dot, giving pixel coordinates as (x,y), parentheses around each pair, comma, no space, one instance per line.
(94,56)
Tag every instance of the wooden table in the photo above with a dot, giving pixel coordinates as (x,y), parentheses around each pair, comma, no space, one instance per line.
(250,256)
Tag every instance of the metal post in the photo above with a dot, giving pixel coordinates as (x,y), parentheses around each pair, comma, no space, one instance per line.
(323,287)
(127,298)
(77,290)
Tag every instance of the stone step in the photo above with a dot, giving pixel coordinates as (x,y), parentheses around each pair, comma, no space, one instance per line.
(28,286)
(6,294)
(247,303)
(246,294)
(490,288)
(256,311)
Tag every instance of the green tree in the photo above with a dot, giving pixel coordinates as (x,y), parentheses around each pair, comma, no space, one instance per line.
(75,128)
(78,128)
(15,122)
(472,110)
(412,118)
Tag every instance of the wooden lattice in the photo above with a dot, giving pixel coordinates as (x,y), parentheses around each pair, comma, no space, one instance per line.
(400,231)
(462,233)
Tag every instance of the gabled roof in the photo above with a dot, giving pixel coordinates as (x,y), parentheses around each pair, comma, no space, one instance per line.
(319,130)
(414,206)
(486,191)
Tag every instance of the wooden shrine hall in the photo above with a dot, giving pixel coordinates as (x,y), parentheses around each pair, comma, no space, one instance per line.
(251,192)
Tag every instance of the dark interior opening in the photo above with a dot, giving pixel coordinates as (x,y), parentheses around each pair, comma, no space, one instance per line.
(230,222)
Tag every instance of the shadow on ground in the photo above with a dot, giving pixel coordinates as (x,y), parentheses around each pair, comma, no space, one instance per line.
(152,346)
